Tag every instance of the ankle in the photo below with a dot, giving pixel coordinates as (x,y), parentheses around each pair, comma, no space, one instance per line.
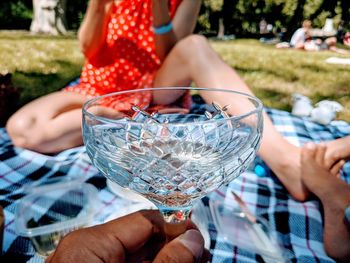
(285,161)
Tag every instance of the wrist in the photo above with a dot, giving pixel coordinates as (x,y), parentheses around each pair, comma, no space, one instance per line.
(163,29)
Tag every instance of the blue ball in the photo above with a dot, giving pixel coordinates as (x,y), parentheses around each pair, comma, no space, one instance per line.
(260,170)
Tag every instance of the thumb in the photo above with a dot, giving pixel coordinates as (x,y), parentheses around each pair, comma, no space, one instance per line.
(186,248)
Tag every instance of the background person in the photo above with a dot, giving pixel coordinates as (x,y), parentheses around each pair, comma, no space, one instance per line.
(298,39)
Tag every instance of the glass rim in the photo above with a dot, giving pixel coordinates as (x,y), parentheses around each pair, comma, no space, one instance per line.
(90,102)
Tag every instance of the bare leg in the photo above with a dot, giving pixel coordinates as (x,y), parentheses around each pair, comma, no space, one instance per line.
(335,197)
(300,46)
(193,59)
(332,45)
(49,124)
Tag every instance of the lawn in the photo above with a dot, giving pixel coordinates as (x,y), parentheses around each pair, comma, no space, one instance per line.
(42,64)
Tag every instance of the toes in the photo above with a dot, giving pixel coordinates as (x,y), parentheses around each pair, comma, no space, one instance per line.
(337,167)
(320,153)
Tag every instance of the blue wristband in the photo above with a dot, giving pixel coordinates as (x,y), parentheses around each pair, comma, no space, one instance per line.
(163,29)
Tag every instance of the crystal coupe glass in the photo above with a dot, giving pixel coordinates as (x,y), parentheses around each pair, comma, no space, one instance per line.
(170,156)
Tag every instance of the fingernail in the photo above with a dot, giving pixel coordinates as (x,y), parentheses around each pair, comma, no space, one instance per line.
(193,240)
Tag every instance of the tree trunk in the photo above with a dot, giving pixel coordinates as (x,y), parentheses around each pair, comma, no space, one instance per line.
(228,10)
(221,30)
(49,17)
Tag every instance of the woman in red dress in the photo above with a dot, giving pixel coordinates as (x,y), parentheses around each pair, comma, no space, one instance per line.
(122,52)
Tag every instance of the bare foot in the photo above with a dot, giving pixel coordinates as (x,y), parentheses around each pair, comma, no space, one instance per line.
(334,195)
(286,165)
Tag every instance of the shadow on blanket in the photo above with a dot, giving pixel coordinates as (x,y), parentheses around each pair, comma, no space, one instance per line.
(9,98)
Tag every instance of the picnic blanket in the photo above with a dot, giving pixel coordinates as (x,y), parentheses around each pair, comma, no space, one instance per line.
(298,225)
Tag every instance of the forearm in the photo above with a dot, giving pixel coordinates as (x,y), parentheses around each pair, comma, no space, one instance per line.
(165,42)
(184,23)
(92,32)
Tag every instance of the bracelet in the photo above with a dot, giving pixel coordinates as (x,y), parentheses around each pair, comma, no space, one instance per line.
(163,29)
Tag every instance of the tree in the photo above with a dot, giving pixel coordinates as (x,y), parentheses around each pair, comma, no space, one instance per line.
(49,17)
(298,16)
(345,6)
(15,14)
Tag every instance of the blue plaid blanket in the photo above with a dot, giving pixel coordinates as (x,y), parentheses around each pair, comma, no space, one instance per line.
(298,225)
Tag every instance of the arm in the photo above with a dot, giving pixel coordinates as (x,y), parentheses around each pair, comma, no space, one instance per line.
(92,32)
(183,22)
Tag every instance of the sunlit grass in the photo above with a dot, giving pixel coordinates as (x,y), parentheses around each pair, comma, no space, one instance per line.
(42,64)
(275,74)
(39,64)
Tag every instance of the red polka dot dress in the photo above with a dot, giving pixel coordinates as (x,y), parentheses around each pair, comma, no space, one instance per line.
(128,59)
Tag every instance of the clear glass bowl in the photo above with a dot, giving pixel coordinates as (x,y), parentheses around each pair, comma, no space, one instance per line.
(172,158)
(51,211)
(232,224)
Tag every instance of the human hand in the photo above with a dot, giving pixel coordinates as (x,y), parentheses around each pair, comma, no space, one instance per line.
(338,149)
(327,158)
(136,237)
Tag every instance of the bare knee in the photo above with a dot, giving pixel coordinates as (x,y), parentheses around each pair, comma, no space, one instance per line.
(194,41)
(19,128)
(192,48)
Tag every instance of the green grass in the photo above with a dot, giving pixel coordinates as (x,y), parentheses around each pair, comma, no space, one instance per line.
(275,74)
(41,64)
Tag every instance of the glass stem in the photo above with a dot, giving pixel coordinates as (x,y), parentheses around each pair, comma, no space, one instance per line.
(176,222)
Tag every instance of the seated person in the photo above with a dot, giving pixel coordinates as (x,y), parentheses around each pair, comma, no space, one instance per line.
(118,57)
(318,44)
(298,39)
(302,39)
(123,51)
